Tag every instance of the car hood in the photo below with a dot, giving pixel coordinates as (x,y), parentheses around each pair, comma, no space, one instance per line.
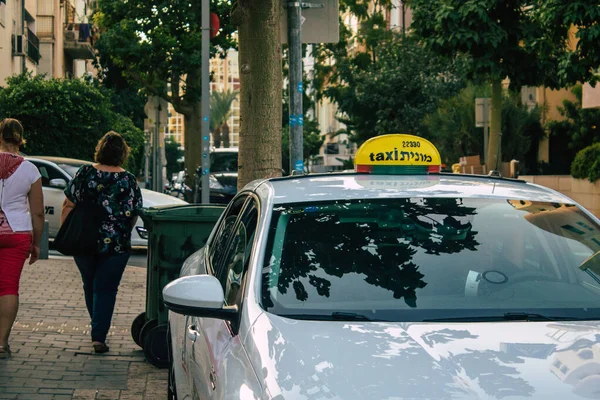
(152,198)
(226,178)
(370,360)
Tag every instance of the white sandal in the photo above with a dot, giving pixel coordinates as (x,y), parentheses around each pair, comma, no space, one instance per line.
(5,352)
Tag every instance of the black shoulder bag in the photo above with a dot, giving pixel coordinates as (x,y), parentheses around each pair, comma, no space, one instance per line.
(80,232)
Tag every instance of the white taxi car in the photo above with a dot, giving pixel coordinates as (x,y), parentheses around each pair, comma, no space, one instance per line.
(58,171)
(392,282)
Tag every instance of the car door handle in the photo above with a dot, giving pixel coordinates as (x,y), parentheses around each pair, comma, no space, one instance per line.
(192,333)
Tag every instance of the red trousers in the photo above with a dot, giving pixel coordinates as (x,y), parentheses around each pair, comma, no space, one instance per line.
(14,250)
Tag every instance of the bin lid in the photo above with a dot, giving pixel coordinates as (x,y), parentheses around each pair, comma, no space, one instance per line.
(183,212)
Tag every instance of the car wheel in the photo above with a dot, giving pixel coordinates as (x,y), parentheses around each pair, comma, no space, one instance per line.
(145,329)
(136,328)
(155,346)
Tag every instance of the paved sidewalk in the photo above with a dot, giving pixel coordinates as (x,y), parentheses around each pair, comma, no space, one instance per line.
(52,352)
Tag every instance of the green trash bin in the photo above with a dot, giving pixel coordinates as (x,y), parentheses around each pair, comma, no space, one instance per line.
(174,233)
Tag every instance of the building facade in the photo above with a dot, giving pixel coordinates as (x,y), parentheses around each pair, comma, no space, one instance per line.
(19,45)
(224,76)
(50,37)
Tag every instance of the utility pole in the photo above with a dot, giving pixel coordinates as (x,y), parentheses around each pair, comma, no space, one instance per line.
(146,158)
(205,102)
(157,178)
(294,12)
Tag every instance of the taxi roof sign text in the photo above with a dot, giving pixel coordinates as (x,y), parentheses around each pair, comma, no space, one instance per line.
(398,154)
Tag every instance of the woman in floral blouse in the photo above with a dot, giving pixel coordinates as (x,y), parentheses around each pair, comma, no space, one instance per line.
(108,184)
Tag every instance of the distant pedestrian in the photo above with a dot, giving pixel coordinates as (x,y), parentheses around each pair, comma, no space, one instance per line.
(21,222)
(108,184)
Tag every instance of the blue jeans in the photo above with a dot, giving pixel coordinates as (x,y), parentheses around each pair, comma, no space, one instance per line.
(101,276)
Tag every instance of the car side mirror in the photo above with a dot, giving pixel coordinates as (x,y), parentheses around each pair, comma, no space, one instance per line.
(58,183)
(198,296)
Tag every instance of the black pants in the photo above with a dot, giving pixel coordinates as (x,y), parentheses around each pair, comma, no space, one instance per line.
(101,276)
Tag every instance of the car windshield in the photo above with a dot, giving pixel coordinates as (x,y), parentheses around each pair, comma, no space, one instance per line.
(224,161)
(426,258)
(70,169)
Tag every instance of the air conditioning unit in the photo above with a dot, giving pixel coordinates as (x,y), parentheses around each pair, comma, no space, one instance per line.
(19,45)
(70,36)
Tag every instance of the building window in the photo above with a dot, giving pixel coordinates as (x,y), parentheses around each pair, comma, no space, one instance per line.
(2,13)
(332,148)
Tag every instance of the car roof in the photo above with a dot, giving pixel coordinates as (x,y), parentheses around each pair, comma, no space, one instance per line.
(349,186)
(225,150)
(61,160)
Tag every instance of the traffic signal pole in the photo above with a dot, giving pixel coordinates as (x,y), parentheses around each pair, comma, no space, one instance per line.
(296,114)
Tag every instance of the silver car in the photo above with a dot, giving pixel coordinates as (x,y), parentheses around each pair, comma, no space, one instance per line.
(372,286)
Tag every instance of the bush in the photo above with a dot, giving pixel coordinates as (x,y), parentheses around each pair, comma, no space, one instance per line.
(135,139)
(66,117)
(587,163)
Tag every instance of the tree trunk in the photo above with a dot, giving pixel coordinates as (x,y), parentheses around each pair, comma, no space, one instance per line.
(260,89)
(225,135)
(494,157)
(193,144)
(217,137)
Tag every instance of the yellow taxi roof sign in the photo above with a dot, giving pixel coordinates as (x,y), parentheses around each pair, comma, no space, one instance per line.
(398,154)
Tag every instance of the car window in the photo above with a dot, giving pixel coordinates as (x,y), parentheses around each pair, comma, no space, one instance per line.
(224,232)
(224,162)
(417,259)
(71,169)
(48,173)
(235,263)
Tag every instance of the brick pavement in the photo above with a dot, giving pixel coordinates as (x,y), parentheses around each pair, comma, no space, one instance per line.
(52,352)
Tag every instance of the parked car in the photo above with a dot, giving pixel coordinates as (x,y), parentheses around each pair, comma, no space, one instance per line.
(395,281)
(222,178)
(57,172)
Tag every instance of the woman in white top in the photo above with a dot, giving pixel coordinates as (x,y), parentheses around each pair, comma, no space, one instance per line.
(21,222)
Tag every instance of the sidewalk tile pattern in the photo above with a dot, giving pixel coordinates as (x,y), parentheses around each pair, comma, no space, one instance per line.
(52,352)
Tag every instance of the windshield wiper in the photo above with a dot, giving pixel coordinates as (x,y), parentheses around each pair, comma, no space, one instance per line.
(334,316)
(511,316)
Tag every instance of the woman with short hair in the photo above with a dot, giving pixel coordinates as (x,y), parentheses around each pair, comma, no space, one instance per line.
(21,222)
(105,183)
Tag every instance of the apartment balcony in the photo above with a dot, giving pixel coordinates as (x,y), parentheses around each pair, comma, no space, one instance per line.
(78,41)
(33,46)
(26,45)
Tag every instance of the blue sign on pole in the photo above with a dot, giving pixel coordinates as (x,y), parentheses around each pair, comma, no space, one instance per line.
(299,166)
(300,87)
(293,120)
(301,121)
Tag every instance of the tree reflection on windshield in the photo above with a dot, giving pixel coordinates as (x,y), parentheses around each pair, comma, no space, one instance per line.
(376,240)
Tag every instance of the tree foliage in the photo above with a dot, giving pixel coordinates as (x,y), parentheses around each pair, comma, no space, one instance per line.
(578,129)
(66,117)
(502,39)
(452,128)
(580,60)
(382,81)
(157,44)
(586,164)
(127,97)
